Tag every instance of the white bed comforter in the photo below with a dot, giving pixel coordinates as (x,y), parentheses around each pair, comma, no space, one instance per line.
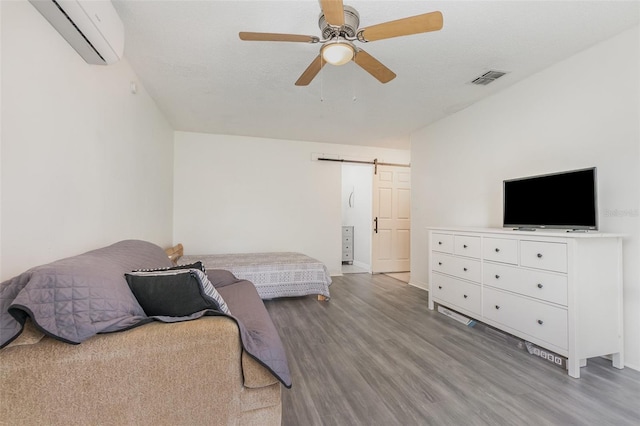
(274,274)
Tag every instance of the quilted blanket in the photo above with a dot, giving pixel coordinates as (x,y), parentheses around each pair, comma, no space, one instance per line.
(75,298)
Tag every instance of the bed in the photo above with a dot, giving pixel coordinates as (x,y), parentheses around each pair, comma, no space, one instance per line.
(283,274)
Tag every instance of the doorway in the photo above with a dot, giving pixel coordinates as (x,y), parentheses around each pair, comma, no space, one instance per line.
(357,190)
(376,219)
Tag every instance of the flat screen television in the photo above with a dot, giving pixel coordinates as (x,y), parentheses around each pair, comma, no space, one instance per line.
(565,200)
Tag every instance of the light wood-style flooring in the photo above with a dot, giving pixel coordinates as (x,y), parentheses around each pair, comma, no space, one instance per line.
(375,355)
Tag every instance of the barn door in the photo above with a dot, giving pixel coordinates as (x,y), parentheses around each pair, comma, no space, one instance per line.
(391,219)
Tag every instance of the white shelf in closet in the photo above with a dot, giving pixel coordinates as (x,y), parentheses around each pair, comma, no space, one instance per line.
(347,244)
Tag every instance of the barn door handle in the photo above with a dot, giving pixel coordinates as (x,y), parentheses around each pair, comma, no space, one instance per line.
(376,228)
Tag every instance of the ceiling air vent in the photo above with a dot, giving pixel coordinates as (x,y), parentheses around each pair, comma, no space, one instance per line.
(488,77)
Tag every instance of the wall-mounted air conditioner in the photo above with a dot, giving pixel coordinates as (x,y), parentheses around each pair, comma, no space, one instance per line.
(92,27)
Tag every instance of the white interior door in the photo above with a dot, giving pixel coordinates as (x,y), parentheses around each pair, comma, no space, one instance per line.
(391,220)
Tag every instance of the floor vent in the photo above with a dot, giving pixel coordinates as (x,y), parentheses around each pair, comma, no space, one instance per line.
(488,77)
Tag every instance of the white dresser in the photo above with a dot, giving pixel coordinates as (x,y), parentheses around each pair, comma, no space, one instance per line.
(347,244)
(559,290)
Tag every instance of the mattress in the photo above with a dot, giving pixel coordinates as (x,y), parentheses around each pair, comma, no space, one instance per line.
(274,274)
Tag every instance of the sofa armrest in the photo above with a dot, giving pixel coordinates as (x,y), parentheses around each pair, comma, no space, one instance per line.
(255,375)
(221,278)
(188,372)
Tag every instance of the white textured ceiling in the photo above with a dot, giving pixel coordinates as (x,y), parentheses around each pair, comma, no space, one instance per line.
(205,79)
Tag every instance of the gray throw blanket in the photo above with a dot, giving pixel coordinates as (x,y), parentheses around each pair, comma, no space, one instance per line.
(75,298)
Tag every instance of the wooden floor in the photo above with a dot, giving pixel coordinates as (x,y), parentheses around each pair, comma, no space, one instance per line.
(375,355)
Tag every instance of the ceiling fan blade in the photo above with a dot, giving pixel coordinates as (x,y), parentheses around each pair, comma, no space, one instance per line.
(333,12)
(312,70)
(431,21)
(277,37)
(374,67)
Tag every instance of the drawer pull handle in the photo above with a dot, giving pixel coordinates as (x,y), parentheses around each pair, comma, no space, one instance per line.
(464,269)
(440,263)
(540,286)
(439,243)
(465,296)
(497,250)
(540,322)
(439,287)
(497,306)
(464,246)
(539,255)
(497,277)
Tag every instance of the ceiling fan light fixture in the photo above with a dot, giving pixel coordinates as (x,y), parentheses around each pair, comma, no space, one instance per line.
(338,52)
(340,27)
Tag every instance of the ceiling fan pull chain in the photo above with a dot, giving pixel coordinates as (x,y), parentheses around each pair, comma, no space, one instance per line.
(353,84)
(321,82)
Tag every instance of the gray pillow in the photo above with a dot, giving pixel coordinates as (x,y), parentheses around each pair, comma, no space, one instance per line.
(175,293)
(194,265)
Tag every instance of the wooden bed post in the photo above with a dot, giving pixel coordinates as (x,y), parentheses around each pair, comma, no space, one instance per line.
(174,253)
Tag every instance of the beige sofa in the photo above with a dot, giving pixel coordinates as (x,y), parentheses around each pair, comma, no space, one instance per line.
(144,376)
(185,373)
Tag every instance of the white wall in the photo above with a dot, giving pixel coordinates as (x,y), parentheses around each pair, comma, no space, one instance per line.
(0,143)
(581,112)
(85,163)
(243,194)
(358,179)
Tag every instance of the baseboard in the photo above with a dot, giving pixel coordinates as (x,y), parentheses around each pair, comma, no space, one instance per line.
(631,366)
(362,265)
(419,284)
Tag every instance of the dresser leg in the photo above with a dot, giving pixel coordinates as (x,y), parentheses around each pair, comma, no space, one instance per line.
(617,360)
(574,367)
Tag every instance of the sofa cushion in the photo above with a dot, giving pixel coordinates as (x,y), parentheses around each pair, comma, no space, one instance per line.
(175,292)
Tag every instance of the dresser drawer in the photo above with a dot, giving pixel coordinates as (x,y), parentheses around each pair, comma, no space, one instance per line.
(347,231)
(347,256)
(501,250)
(466,246)
(541,285)
(461,267)
(456,293)
(536,319)
(347,248)
(542,255)
(442,242)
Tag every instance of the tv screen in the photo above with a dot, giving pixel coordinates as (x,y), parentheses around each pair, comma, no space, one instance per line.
(566,200)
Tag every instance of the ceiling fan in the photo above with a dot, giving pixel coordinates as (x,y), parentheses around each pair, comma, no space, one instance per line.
(339,26)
